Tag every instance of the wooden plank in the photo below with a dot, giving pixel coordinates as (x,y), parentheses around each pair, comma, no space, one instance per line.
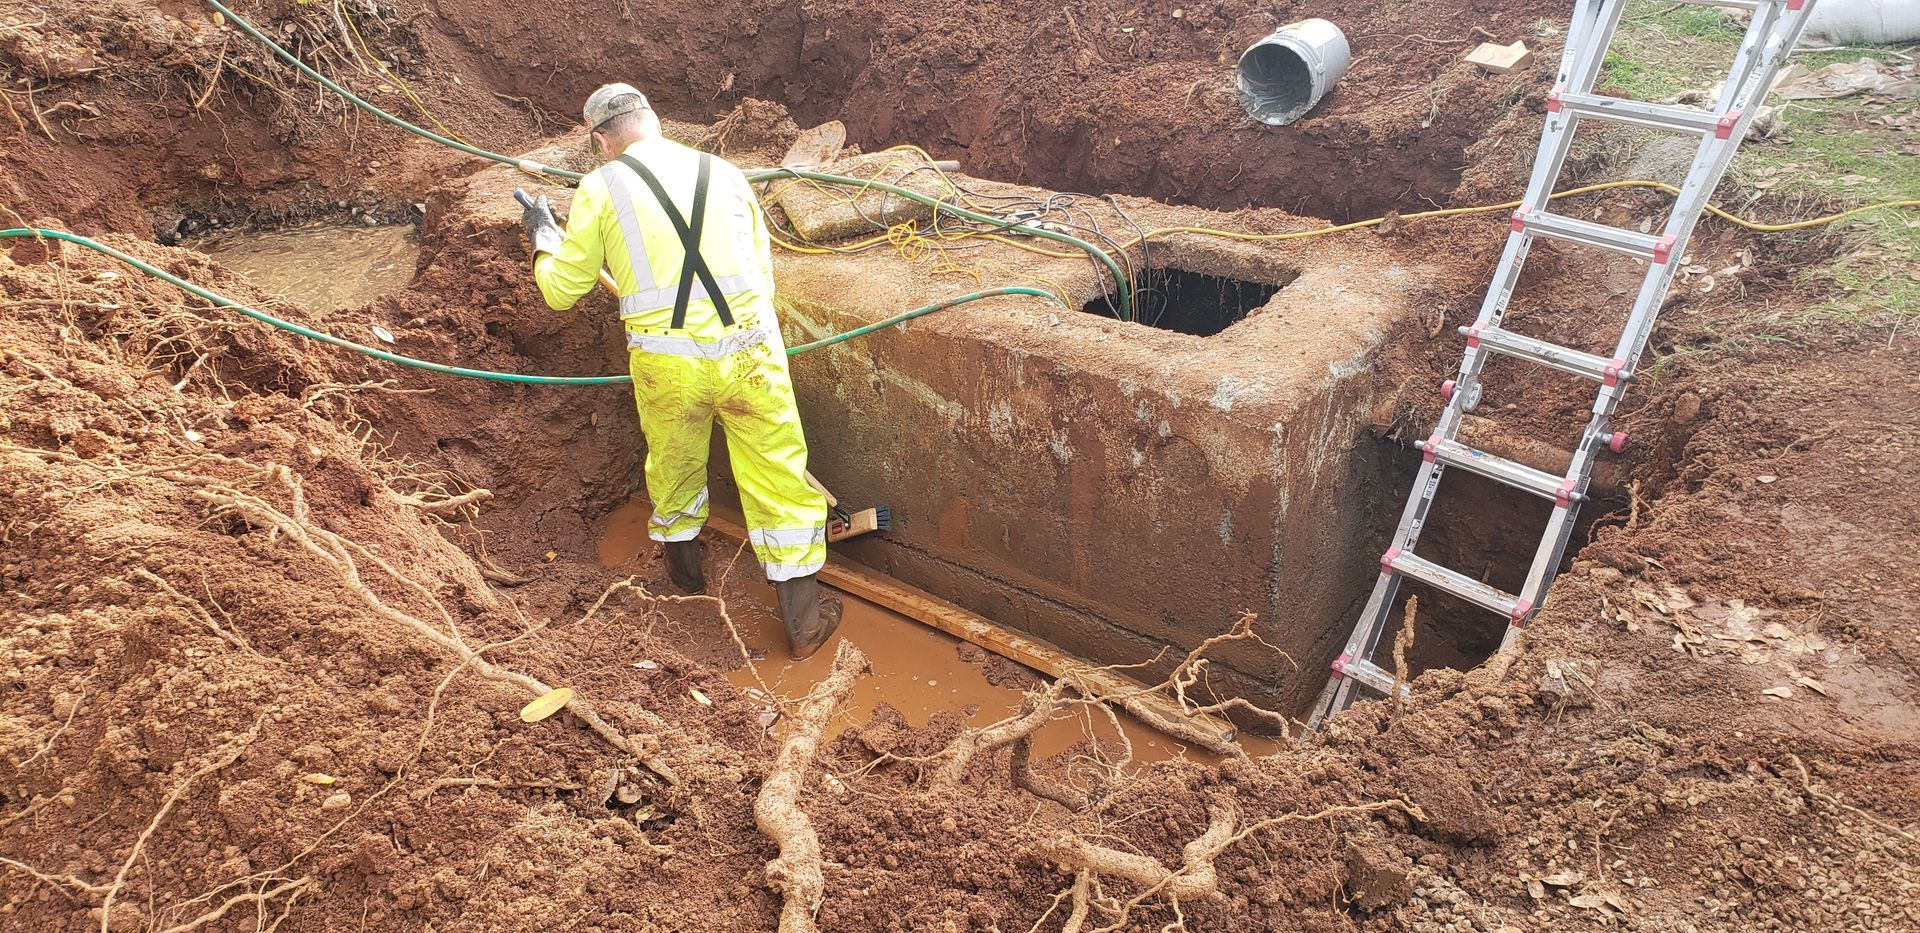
(931,610)
(1500,59)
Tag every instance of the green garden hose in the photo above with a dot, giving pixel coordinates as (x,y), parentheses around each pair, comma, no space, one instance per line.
(1123,288)
(375,352)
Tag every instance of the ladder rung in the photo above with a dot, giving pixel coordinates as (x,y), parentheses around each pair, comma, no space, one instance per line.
(1408,564)
(1367,673)
(1547,354)
(1626,242)
(1640,113)
(1518,475)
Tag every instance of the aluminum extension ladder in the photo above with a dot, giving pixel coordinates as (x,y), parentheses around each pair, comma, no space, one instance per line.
(1770,37)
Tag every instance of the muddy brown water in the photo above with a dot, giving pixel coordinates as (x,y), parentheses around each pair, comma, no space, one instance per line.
(323,267)
(917,669)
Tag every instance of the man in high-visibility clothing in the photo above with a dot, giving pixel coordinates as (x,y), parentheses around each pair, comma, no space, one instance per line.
(682,235)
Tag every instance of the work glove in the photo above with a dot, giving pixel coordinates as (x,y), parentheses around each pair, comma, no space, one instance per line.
(536,214)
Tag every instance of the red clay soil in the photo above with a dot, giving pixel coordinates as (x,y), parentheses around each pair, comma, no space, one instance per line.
(1098,96)
(208,724)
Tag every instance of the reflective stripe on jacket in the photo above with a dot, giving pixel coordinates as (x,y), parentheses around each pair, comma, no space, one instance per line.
(613,210)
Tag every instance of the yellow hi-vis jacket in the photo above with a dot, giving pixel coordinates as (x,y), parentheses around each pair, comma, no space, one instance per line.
(613,210)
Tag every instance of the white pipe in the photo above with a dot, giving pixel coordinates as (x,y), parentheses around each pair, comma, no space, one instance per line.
(1283,76)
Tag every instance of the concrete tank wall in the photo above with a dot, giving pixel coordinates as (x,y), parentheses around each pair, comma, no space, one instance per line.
(1111,487)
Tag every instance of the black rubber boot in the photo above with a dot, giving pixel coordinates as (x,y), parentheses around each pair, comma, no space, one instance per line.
(683,566)
(810,620)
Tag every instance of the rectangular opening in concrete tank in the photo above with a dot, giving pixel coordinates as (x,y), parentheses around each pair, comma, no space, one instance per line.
(1189,302)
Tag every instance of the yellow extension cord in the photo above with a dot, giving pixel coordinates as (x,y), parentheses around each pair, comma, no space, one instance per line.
(901,235)
(906,237)
(404,89)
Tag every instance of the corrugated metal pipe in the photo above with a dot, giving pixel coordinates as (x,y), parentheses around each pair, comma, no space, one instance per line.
(1283,76)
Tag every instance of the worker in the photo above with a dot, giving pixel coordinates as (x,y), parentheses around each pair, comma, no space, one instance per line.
(681,233)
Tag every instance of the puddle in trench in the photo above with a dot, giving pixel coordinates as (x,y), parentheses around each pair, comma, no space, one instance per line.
(916,668)
(325,267)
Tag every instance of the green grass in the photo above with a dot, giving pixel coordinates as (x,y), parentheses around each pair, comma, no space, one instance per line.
(1832,155)
(1659,51)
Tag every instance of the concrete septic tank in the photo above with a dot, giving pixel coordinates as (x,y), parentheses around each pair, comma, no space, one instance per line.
(1115,487)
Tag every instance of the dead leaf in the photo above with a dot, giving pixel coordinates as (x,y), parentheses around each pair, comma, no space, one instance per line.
(1783,691)
(1564,879)
(546,704)
(697,695)
(1813,685)
(1763,480)
(648,665)
(550,555)
(320,779)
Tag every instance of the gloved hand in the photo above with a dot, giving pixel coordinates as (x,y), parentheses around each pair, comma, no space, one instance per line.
(536,214)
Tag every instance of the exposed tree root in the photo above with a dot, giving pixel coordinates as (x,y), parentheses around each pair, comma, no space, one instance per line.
(292,889)
(59,882)
(1082,887)
(1189,673)
(1403,643)
(199,611)
(339,554)
(1025,778)
(448,504)
(1194,879)
(796,873)
(1035,710)
(1194,668)
(232,754)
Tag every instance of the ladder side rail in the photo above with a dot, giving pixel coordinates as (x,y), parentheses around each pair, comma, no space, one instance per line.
(1581,59)
(1581,69)
(1365,637)
(1585,12)
(1748,62)
(1770,38)
(1709,166)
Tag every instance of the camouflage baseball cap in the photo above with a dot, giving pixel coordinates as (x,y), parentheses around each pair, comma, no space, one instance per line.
(610,101)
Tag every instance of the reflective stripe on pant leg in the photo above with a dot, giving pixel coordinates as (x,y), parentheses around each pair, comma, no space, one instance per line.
(786,553)
(786,516)
(675,397)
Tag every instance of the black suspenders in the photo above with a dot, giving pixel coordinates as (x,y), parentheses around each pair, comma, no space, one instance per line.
(694,264)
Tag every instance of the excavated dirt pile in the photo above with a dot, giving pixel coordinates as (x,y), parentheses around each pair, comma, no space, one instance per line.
(270,613)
